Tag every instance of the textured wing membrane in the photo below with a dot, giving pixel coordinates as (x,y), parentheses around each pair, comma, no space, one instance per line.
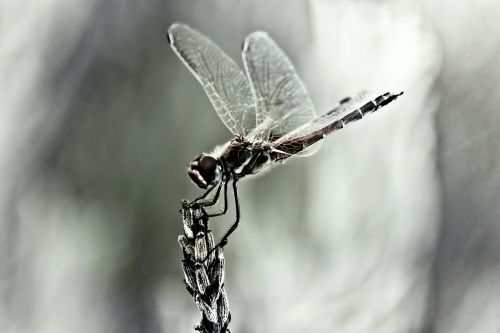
(224,82)
(282,102)
(291,143)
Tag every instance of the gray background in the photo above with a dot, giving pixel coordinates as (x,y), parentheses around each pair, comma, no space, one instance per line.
(392,227)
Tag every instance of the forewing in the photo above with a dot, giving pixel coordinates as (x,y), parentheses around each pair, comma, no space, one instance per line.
(224,82)
(291,143)
(282,102)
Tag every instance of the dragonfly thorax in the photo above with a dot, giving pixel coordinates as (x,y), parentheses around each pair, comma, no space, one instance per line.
(205,170)
(242,158)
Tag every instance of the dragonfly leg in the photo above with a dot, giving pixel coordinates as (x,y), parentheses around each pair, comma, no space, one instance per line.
(224,238)
(203,196)
(233,227)
(207,203)
(225,203)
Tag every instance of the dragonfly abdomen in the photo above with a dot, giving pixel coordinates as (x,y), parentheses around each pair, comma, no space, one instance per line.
(293,146)
(368,107)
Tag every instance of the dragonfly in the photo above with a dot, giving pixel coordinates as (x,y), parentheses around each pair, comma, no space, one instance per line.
(266,108)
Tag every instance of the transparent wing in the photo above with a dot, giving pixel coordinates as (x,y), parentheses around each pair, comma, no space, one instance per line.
(224,82)
(282,102)
(293,142)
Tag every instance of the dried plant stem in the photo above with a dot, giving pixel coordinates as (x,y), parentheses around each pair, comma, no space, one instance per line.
(204,279)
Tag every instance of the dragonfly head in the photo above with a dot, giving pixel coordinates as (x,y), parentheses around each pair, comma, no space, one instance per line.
(205,170)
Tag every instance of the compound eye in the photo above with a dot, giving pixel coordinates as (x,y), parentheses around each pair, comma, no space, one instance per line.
(204,170)
(207,168)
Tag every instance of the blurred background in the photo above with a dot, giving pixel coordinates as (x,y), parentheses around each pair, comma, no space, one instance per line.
(393,226)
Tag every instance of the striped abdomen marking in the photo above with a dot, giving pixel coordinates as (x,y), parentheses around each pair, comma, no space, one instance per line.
(369,107)
(295,145)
